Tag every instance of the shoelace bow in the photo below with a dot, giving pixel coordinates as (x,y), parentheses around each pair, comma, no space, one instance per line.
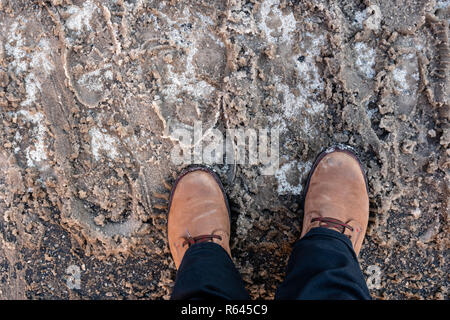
(327,222)
(203,238)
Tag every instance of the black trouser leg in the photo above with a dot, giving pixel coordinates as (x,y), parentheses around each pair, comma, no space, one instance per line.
(323,265)
(207,272)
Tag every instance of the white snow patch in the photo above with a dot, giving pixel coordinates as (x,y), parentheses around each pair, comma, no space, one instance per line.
(36,153)
(90,81)
(186,81)
(399,76)
(371,17)
(292,105)
(80,17)
(288,22)
(102,141)
(406,76)
(41,58)
(108,74)
(14,47)
(284,187)
(365,60)
(206,19)
(18,136)
(40,62)
(32,87)
(93,80)
(309,85)
(360,16)
(442,4)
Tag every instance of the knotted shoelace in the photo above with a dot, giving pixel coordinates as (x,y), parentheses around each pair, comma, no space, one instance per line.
(204,238)
(327,222)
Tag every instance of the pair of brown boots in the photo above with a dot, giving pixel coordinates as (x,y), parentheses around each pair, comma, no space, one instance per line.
(336,197)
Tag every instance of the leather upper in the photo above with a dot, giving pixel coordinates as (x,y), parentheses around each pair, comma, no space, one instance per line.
(198,207)
(337,189)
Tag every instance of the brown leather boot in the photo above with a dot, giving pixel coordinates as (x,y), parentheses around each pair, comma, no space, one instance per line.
(198,212)
(336,196)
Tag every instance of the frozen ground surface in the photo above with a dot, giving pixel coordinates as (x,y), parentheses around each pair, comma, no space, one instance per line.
(91,92)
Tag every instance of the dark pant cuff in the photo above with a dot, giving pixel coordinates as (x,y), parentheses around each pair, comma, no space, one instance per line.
(323,265)
(207,272)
